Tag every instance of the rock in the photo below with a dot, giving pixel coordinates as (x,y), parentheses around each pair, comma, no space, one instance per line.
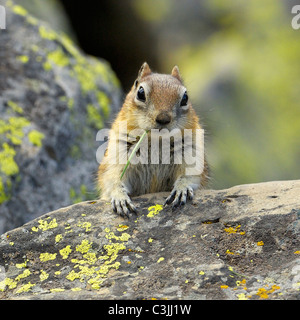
(53,100)
(239,243)
(51,12)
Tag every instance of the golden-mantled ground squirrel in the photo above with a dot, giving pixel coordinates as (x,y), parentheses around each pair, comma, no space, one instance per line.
(155,101)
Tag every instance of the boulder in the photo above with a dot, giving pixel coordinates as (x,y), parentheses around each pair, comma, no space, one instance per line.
(240,243)
(53,100)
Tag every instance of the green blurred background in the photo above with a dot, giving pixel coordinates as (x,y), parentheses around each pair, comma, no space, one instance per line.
(240,61)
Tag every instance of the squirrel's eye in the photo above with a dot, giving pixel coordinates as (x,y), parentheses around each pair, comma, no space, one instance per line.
(184,100)
(141,94)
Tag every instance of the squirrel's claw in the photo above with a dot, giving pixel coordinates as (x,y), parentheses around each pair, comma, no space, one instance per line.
(170,198)
(123,207)
(179,197)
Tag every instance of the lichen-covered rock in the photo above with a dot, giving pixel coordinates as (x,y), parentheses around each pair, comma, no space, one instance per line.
(53,100)
(239,243)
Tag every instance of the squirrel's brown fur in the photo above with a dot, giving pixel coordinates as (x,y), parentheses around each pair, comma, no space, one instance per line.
(160,107)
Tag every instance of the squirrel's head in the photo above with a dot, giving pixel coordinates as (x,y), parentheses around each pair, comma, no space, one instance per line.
(159,100)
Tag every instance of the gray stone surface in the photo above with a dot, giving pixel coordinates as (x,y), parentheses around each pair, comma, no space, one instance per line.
(239,243)
(53,100)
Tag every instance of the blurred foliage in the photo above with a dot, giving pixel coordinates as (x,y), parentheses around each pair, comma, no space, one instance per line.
(156,10)
(240,61)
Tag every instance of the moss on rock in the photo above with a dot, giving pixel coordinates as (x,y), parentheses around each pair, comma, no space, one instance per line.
(49,119)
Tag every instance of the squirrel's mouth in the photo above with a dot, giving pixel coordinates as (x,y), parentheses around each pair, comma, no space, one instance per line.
(170,126)
(162,126)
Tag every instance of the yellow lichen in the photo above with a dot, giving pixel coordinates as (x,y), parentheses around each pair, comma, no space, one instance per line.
(15,107)
(160,260)
(122,227)
(112,251)
(90,257)
(44,225)
(57,290)
(58,58)
(36,137)
(65,252)
(230,252)
(8,282)
(19,10)
(24,59)
(47,66)
(104,102)
(44,275)
(46,33)
(84,272)
(26,287)
(47,256)
(14,129)
(264,293)
(234,230)
(84,247)
(72,275)
(274,287)
(104,269)
(242,296)
(92,269)
(2,286)
(94,117)
(8,166)
(96,282)
(26,273)
(123,237)
(85,225)
(58,238)
(22,265)
(154,210)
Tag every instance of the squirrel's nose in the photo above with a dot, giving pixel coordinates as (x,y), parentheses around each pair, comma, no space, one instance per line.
(163,118)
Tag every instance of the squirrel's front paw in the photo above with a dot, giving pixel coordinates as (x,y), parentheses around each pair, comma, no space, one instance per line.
(178,196)
(123,206)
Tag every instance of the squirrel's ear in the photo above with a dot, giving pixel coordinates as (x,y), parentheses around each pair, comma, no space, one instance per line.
(144,71)
(176,74)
